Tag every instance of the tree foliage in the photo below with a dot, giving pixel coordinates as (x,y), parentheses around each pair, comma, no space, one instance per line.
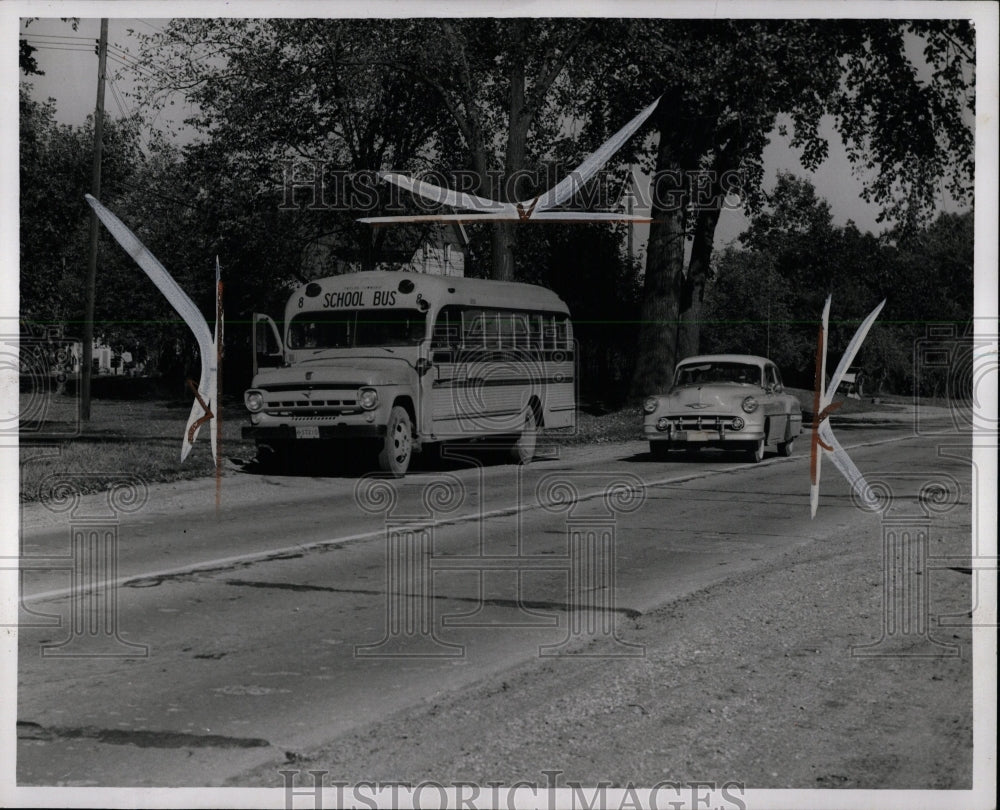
(765,293)
(897,91)
(294,116)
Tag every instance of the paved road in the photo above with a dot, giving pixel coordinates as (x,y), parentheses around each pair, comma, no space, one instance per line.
(307,606)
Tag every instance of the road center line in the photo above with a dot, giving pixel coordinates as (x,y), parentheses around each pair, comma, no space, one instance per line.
(260,556)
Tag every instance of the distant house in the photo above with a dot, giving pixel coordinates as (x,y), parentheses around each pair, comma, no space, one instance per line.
(105,359)
(439,253)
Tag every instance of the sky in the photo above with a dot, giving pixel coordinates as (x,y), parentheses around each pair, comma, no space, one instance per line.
(70,66)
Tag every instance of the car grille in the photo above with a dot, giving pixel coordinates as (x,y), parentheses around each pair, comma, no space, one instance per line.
(701,422)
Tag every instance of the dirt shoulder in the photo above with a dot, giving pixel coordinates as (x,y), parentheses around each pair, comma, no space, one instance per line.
(752,680)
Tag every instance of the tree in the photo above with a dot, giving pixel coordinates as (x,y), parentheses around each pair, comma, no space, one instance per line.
(298,114)
(497,79)
(54,176)
(791,257)
(498,96)
(905,120)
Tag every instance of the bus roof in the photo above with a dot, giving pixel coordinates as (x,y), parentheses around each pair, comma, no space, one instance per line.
(443,290)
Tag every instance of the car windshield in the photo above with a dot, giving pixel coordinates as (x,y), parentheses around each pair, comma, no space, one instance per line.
(354,328)
(716,372)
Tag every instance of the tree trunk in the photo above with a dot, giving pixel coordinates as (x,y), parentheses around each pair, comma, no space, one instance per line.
(502,241)
(503,236)
(693,289)
(657,345)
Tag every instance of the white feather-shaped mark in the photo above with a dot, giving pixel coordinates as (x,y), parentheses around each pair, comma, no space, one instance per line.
(851,351)
(488,210)
(184,306)
(824,430)
(456,199)
(569,185)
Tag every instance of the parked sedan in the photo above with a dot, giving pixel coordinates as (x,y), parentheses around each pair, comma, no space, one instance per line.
(732,401)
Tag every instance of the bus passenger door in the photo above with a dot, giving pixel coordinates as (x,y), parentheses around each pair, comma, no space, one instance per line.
(443,382)
(267,349)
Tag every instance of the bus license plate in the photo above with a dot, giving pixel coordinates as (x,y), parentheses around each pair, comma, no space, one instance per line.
(307,432)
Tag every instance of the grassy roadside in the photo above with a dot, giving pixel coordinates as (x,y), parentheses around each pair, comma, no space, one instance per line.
(143,438)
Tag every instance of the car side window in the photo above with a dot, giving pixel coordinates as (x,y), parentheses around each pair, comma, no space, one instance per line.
(771,376)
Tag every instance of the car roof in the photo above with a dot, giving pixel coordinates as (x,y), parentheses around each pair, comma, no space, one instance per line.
(749,359)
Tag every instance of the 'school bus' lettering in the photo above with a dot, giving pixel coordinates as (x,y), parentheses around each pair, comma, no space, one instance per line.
(397,361)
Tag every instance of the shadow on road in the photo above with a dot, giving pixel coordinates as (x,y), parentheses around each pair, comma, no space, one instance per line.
(340,460)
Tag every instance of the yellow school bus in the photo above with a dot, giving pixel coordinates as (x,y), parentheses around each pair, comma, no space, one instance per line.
(393,362)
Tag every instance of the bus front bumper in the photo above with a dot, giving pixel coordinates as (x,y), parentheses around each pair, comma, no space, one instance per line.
(287,433)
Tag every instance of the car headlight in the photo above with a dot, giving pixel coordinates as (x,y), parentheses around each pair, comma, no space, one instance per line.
(368,399)
(651,404)
(737,423)
(749,405)
(254,400)
(663,424)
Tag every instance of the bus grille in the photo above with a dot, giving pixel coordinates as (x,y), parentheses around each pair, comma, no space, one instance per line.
(296,403)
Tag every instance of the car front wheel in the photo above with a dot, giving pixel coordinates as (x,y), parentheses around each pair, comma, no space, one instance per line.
(785,448)
(755,451)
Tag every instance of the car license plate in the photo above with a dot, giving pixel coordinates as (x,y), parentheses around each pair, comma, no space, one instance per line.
(700,436)
(307,432)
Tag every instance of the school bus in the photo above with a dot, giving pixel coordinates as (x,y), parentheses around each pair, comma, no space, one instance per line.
(395,362)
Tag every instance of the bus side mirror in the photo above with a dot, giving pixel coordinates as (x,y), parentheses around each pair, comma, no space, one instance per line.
(423,365)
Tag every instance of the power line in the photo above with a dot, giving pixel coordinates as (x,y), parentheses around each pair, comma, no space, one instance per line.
(131,66)
(58,36)
(153,27)
(74,50)
(119,102)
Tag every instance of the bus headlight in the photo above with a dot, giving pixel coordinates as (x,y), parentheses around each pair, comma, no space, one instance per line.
(254,400)
(650,404)
(368,398)
(749,405)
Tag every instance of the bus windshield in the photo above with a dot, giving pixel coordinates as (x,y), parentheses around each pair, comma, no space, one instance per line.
(706,373)
(356,328)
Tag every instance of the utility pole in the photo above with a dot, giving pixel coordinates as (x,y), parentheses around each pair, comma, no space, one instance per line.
(95,185)
(628,209)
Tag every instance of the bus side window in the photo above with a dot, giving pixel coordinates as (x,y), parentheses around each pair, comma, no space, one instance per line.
(563,335)
(519,330)
(491,329)
(534,332)
(474,329)
(549,334)
(447,330)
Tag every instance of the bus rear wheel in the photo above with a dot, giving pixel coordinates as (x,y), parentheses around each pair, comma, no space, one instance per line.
(523,449)
(397,447)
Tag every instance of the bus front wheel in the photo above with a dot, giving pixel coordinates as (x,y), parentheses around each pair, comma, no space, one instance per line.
(524,447)
(397,447)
